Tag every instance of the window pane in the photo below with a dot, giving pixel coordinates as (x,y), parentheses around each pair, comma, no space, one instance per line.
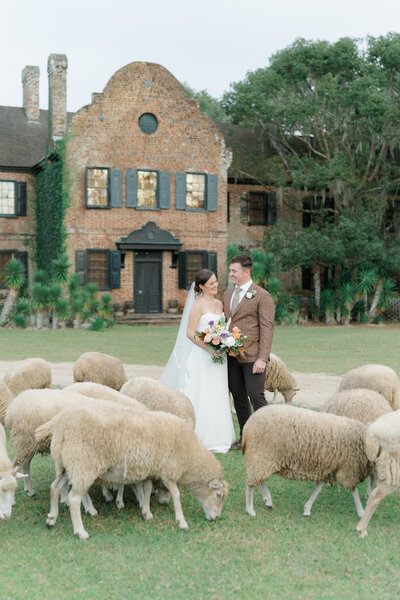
(97,187)
(7,197)
(98,268)
(195,190)
(147,188)
(194,262)
(257,208)
(4,258)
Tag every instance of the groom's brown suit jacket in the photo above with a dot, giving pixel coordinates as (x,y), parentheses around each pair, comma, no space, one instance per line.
(255,319)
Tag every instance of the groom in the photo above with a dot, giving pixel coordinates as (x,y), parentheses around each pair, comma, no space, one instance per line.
(250,308)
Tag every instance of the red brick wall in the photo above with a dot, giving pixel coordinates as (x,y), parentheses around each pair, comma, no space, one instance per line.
(106,134)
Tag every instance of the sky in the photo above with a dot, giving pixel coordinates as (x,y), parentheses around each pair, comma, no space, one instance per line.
(208,44)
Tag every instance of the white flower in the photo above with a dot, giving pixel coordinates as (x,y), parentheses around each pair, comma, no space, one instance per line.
(251,294)
(230,341)
(207,338)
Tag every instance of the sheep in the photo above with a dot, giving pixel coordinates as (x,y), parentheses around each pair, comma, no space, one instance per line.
(103,392)
(5,399)
(8,479)
(119,445)
(100,368)
(32,408)
(383,449)
(278,379)
(298,443)
(358,403)
(32,373)
(379,378)
(158,395)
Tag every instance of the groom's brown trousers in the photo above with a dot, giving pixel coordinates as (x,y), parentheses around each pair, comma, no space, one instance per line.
(245,386)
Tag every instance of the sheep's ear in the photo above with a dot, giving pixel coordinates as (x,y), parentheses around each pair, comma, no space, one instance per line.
(214,484)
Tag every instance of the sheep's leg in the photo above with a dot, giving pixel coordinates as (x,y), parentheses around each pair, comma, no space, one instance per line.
(74,501)
(275,395)
(55,490)
(357,502)
(138,491)
(311,500)
(173,488)
(119,500)
(107,495)
(266,495)
(88,505)
(249,500)
(371,485)
(28,483)
(377,495)
(145,488)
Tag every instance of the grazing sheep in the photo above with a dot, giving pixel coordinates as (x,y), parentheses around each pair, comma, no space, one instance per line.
(5,399)
(158,395)
(379,378)
(100,368)
(383,449)
(32,373)
(119,445)
(8,479)
(361,404)
(298,443)
(103,392)
(278,379)
(31,409)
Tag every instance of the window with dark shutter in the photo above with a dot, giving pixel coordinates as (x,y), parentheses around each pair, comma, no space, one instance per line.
(192,261)
(8,198)
(98,187)
(21,199)
(116,188)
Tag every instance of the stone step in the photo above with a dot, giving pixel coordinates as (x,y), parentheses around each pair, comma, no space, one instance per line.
(166,319)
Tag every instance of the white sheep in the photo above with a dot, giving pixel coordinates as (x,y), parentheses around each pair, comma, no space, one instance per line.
(383,449)
(358,403)
(298,443)
(119,445)
(32,408)
(100,368)
(157,395)
(279,379)
(8,479)
(32,373)
(5,399)
(380,378)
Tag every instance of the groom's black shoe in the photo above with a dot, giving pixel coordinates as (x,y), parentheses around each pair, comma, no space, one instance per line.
(237,445)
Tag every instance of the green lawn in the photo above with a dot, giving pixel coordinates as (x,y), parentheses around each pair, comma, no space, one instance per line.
(332,350)
(278,555)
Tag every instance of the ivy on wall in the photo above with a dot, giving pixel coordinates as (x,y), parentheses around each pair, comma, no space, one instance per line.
(50,206)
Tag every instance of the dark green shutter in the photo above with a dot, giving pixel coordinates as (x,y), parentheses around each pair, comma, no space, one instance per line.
(81,265)
(21,199)
(180,191)
(116,188)
(212,192)
(271,209)
(164,200)
(23,257)
(131,188)
(212,262)
(115,269)
(182,271)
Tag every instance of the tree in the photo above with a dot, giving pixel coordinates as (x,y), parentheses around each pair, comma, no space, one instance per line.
(207,104)
(330,113)
(14,275)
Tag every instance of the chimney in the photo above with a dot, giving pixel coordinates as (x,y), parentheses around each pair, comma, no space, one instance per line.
(30,87)
(57,69)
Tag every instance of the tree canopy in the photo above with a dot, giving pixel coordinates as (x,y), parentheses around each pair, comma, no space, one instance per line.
(207,104)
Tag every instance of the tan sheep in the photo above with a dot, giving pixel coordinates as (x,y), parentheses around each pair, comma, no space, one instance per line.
(157,395)
(383,449)
(279,379)
(380,378)
(298,443)
(5,399)
(359,403)
(32,373)
(100,368)
(8,479)
(103,392)
(119,445)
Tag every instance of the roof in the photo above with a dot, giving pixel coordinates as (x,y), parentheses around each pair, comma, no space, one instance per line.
(22,142)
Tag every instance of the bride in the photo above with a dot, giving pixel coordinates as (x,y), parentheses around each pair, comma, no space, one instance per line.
(191,370)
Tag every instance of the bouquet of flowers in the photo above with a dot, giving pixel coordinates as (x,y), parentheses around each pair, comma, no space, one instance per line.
(218,338)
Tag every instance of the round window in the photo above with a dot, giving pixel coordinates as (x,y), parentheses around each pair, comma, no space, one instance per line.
(148,123)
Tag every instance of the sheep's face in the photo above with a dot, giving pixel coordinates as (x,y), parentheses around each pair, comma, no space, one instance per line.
(212,496)
(8,483)
(289,395)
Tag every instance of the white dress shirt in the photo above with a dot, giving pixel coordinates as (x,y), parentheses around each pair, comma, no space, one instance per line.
(243,289)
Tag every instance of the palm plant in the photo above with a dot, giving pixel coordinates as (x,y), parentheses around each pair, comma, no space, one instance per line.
(14,276)
(40,302)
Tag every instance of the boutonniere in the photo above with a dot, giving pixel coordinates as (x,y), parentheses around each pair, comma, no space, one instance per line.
(251,294)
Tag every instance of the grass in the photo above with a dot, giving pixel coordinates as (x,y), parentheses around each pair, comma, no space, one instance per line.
(332,350)
(278,555)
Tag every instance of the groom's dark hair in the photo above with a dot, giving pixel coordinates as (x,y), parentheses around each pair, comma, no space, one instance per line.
(244,260)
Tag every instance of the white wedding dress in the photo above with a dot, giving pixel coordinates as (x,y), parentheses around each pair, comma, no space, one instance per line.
(205,383)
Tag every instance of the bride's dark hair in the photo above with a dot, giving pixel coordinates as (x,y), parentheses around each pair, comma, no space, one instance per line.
(201,279)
